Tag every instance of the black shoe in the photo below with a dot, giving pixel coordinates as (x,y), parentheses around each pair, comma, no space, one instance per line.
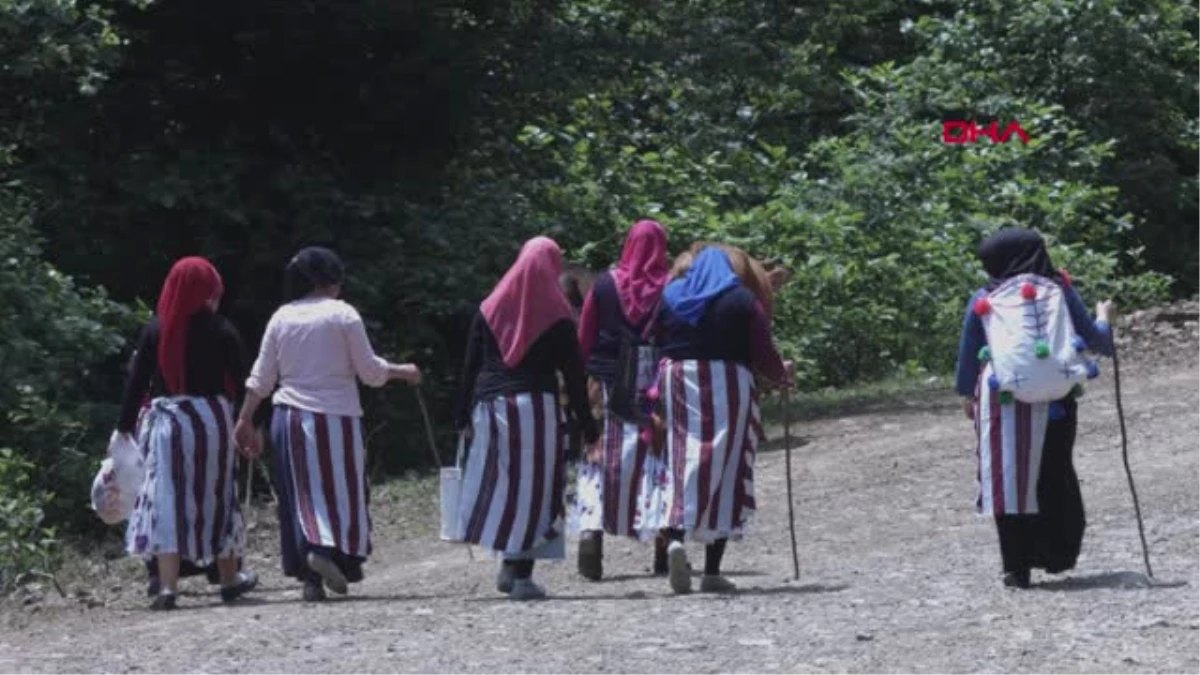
(163,602)
(247,583)
(591,557)
(314,591)
(1017,579)
(661,567)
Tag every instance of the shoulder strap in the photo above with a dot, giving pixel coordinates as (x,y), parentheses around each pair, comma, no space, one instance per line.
(651,322)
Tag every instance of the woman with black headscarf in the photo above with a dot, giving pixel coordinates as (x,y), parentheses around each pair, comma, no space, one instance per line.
(1045,532)
(316,349)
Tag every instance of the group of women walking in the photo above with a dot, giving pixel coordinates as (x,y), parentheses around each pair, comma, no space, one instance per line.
(680,468)
(314,352)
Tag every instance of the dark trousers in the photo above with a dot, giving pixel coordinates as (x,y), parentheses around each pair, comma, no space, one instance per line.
(1051,539)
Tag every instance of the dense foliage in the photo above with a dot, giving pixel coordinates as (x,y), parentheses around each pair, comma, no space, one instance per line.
(426,140)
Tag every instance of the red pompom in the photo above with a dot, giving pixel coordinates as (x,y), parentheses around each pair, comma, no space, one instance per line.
(982,306)
(1028,291)
(1066,278)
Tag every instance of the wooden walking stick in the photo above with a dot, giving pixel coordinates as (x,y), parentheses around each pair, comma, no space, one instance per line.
(1137,508)
(786,402)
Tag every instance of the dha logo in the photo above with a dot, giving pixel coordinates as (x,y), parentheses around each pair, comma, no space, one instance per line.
(959,132)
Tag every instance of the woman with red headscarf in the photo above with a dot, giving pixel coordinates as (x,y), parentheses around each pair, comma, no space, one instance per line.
(190,360)
(514,473)
(618,310)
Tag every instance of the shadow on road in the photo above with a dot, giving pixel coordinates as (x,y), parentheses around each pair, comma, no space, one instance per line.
(806,589)
(1109,580)
(665,594)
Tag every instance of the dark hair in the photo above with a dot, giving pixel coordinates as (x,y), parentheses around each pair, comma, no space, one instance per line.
(1013,251)
(312,268)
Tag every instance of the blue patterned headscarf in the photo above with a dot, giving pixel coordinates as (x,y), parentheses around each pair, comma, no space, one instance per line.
(711,275)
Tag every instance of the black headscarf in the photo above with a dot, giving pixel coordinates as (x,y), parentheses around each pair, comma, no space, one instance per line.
(312,268)
(1014,251)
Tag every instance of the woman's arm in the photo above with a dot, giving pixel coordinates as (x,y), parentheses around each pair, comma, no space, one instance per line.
(472,361)
(764,355)
(970,342)
(264,374)
(138,382)
(570,364)
(1098,333)
(588,325)
(373,370)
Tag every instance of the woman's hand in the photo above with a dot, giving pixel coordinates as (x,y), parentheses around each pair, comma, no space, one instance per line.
(594,452)
(789,376)
(407,372)
(247,439)
(968,408)
(1104,310)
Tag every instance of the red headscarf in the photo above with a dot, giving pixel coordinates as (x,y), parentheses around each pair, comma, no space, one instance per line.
(643,270)
(528,299)
(191,283)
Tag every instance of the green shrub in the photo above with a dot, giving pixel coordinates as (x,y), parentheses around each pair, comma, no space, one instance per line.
(27,546)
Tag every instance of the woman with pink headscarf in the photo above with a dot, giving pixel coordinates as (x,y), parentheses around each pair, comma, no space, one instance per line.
(618,309)
(514,473)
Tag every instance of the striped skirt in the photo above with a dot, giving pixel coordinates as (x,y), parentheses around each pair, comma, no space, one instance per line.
(514,477)
(321,466)
(1010,439)
(610,496)
(713,432)
(188,501)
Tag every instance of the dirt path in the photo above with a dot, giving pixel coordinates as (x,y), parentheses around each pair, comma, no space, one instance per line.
(898,574)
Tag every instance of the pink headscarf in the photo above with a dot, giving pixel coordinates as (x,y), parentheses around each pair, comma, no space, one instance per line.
(643,270)
(528,300)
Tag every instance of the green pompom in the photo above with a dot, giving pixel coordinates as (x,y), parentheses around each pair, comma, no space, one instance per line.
(1006,398)
(985,354)
(1077,391)
(1042,348)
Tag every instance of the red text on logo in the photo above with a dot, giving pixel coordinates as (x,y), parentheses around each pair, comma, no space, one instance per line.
(958,132)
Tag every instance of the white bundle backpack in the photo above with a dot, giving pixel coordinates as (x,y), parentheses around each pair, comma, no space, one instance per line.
(1034,352)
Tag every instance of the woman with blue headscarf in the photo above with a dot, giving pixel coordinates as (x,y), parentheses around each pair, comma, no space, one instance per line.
(714,336)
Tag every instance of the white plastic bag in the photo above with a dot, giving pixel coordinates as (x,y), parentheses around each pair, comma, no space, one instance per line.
(116,486)
(451,491)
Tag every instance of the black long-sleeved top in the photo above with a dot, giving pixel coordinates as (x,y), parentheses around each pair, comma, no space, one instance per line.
(485,374)
(602,325)
(215,360)
(734,328)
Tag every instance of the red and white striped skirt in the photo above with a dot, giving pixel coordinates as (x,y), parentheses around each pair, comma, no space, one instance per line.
(713,432)
(188,501)
(514,477)
(610,496)
(1009,449)
(326,462)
